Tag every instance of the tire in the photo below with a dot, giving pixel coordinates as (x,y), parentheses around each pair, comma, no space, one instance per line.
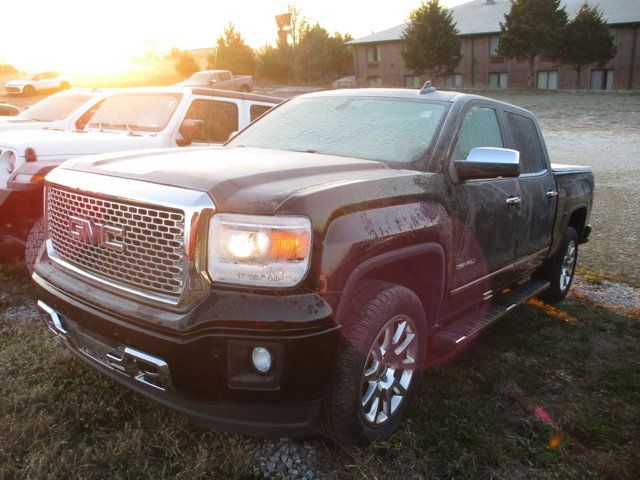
(245,89)
(561,268)
(35,240)
(65,86)
(354,411)
(28,90)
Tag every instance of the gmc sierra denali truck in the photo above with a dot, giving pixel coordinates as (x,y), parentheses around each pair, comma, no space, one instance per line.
(302,277)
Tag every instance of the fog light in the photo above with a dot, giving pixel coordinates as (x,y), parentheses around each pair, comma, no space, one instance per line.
(261,358)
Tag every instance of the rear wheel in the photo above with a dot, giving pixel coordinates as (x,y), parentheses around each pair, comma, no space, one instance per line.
(35,240)
(65,85)
(377,369)
(28,90)
(562,267)
(245,89)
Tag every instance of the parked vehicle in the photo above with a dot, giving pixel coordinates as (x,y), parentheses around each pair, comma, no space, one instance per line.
(345,82)
(7,110)
(129,119)
(67,110)
(36,83)
(302,277)
(219,79)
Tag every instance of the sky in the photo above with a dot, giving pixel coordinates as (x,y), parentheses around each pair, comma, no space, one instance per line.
(92,36)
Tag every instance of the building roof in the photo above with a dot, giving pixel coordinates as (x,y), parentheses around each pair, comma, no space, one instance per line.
(482,16)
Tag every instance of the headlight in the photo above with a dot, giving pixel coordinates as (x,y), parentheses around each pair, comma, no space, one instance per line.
(257,250)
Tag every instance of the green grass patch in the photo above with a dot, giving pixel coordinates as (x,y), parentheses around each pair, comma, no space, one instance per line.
(548,392)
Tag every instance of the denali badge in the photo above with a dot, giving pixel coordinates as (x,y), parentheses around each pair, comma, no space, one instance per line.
(88,231)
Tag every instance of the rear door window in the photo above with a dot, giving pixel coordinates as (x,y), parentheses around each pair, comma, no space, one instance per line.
(257,111)
(525,139)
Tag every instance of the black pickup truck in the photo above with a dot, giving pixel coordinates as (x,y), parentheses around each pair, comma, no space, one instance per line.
(301,278)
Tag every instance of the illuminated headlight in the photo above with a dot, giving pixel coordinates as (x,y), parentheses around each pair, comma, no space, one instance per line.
(259,251)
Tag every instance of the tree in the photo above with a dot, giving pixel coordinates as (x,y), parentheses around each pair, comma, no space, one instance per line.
(232,53)
(185,64)
(430,41)
(532,28)
(586,40)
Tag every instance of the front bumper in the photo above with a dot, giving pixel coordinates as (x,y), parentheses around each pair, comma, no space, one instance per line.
(13,89)
(203,371)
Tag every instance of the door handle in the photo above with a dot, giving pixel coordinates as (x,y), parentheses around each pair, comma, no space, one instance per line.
(514,200)
(552,193)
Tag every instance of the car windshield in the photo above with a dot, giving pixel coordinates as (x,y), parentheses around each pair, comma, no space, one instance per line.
(202,77)
(55,107)
(145,112)
(393,130)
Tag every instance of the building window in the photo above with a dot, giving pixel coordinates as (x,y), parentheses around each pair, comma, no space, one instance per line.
(614,36)
(494,43)
(454,80)
(602,79)
(374,81)
(498,79)
(412,81)
(548,80)
(373,54)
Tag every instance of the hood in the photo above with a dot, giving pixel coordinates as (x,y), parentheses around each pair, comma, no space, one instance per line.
(66,143)
(240,180)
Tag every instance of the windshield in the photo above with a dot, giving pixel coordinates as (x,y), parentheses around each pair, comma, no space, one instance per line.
(393,130)
(55,107)
(145,112)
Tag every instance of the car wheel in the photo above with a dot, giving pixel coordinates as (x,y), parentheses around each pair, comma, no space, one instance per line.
(34,243)
(377,367)
(65,85)
(28,90)
(562,267)
(245,89)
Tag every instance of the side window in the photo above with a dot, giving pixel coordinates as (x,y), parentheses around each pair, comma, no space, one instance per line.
(220,119)
(526,141)
(257,111)
(225,76)
(479,129)
(86,116)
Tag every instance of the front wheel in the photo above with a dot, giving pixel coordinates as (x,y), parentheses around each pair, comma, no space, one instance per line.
(562,267)
(378,365)
(65,85)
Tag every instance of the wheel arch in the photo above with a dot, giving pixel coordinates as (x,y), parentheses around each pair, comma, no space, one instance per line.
(405,267)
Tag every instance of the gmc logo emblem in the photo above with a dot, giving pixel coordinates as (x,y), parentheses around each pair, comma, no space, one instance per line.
(94,233)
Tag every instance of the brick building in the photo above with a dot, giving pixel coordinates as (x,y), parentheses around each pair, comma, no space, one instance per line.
(378,59)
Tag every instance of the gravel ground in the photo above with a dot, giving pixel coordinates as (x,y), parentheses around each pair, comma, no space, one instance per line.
(286,459)
(617,296)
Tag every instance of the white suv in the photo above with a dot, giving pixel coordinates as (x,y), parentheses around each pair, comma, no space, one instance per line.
(36,83)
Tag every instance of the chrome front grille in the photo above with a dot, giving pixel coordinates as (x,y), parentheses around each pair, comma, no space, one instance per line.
(151,240)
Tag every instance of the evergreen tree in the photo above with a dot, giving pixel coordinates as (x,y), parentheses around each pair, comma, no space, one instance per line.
(232,53)
(185,64)
(586,40)
(532,28)
(430,42)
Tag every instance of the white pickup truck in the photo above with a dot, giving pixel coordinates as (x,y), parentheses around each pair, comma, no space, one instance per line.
(219,79)
(139,118)
(131,119)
